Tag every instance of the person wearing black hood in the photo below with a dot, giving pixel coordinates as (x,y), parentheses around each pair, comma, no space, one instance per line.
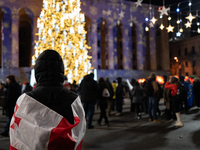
(119,96)
(13,92)
(50,116)
(89,91)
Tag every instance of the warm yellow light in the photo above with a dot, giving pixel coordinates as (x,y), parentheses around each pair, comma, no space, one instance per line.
(161,27)
(190,17)
(188,24)
(198,30)
(178,21)
(61,27)
(147,29)
(169,18)
(181,30)
(175,58)
(170,28)
(153,20)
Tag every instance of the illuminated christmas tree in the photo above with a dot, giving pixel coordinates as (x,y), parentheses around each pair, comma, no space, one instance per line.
(61,28)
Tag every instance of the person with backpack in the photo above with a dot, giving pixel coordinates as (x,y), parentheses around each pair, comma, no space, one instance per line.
(153,92)
(177,93)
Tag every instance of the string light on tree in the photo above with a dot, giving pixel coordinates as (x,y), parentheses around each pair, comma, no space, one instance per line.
(61,27)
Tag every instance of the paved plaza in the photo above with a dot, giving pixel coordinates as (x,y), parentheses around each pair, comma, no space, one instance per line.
(128,133)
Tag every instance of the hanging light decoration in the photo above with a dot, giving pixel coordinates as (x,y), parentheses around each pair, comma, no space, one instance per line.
(181,29)
(170,28)
(146,28)
(188,24)
(162,27)
(190,17)
(178,34)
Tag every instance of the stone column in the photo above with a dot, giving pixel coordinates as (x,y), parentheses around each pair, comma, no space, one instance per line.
(139,32)
(153,62)
(94,47)
(110,46)
(125,41)
(15,41)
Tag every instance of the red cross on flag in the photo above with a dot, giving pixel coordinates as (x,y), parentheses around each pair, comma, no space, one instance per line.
(36,127)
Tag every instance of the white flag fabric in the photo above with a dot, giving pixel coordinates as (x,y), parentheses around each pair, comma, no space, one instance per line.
(36,127)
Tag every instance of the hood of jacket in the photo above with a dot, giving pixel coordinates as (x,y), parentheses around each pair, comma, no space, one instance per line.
(88,78)
(49,68)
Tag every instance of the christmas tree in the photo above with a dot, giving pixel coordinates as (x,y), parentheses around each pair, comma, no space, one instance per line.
(61,28)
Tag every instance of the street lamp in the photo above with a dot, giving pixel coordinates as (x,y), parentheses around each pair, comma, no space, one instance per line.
(175,58)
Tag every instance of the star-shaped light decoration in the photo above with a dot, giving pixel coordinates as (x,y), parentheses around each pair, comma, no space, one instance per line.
(108,12)
(153,20)
(121,15)
(181,30)
(138,3)
(162,27)
(178,34)
(170,28)
(164,11)
(190,17)
(151,25)
(188,24)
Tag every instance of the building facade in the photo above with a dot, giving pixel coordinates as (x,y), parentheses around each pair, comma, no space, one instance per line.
(115,32)
(187,53)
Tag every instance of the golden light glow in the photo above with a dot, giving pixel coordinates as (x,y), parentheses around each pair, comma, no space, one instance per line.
(141,80)
(147,29)
(181,30)
(153,20)
(169,18)
(190,17)
(188,24)
(175,58)
(170,28)
(61,28)
(160,80)
(178,21)
(198,30)
(162,27)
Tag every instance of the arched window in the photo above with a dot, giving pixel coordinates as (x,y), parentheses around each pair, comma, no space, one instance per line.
(134,46)
(25,37)
(186,52)
(119,46)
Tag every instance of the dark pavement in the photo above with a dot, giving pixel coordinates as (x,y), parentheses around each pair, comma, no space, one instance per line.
(128,133)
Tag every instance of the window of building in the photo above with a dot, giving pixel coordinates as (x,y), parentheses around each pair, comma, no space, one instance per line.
(170,66)
(186,74)
(99,56)
(170,54)
(98,43)
(186,64)
(193,50)
(186,51)
(193,63)
(179,52)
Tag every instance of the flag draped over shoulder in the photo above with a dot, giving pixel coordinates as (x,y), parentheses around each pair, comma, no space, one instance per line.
(36,127)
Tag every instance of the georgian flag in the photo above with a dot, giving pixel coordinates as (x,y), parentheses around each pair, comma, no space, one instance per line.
(36,127)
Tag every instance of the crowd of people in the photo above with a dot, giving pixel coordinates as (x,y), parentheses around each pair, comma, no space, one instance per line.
(55,96)
(109,97)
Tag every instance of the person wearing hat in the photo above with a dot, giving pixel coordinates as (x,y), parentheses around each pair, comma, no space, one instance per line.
(119,96)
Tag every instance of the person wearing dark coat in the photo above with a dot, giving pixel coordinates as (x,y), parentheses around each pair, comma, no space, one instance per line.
(89,94)
(119,96)
(153,93)
(196,92)
(13,92)
(50,97)
(103,102)
(3,94)
(138,95)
